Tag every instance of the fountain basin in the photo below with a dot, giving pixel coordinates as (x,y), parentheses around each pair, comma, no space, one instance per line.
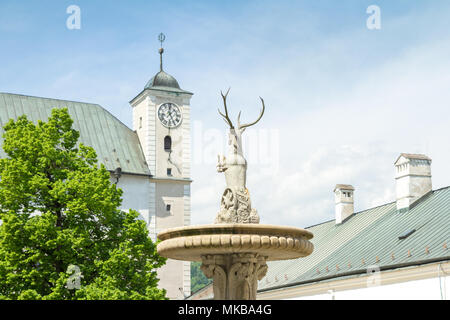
(190,243)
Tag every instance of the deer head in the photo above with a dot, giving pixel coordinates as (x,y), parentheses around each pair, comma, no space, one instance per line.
(236,133)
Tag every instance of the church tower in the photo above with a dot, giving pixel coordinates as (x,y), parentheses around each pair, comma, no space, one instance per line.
(161,119)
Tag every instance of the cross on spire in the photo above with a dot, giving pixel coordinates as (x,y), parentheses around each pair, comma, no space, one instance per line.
(161,38)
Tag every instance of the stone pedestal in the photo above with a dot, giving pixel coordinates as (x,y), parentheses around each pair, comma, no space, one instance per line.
(235,276)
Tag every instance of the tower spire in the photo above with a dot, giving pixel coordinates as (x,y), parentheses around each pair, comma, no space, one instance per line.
(161,38)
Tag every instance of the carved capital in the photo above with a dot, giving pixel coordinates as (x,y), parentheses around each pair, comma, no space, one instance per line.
(235,276)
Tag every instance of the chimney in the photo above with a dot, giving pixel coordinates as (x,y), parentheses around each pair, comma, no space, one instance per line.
(343,198)
(413,178)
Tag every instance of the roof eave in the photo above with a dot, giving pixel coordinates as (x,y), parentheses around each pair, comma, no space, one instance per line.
(163,89)
(412,156)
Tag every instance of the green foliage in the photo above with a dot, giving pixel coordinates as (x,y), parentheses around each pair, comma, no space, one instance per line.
(198,279)
(58,208)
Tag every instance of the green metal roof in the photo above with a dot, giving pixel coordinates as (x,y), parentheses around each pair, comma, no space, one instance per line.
(369,238)
(162,79)
(116,144)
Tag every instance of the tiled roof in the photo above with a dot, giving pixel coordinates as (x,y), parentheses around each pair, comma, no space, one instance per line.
(369,238)
(116,144)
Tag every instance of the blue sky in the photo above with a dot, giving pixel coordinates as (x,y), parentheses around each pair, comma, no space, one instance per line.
(344,100)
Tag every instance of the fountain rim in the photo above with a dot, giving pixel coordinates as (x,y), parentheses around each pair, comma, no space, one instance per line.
(235,228)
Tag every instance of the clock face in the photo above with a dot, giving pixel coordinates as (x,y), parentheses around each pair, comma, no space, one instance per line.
(170,115)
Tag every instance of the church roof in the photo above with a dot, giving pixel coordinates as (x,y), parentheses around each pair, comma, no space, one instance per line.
(164,82)
(162,79)
(116,144)
(380,236)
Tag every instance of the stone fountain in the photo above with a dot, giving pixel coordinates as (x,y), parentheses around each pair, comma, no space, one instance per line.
(234,250)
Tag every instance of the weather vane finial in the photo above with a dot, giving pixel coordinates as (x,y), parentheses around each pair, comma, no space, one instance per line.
(161,38)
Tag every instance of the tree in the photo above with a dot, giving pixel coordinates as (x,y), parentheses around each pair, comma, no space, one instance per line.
(198,279)
(59,214)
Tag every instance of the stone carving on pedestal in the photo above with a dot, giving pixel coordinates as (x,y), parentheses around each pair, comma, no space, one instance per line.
(235,204)
(212,268)
(235,207)
(235,275)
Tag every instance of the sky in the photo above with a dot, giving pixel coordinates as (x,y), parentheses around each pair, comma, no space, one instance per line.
(342,100)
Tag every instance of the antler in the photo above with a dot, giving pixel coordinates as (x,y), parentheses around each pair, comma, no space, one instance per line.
(225,116)
(243,126)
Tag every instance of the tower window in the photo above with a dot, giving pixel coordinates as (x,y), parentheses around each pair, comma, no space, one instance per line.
(169,171)
(168,143)
(140,123)
(168,207)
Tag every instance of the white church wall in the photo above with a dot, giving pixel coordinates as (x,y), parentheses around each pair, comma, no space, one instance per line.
(140,120)
(144,195)
(144,123)
(172,194)
(186,147)
(139,194)
(175,274)
(187,222)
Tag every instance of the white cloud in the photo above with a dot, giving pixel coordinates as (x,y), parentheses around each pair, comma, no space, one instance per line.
(352,136)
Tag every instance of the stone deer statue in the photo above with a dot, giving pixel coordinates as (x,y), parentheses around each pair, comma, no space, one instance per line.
(235,203)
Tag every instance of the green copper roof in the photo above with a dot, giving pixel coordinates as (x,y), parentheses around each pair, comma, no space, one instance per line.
(163,81)
(369,238)
(116,144)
